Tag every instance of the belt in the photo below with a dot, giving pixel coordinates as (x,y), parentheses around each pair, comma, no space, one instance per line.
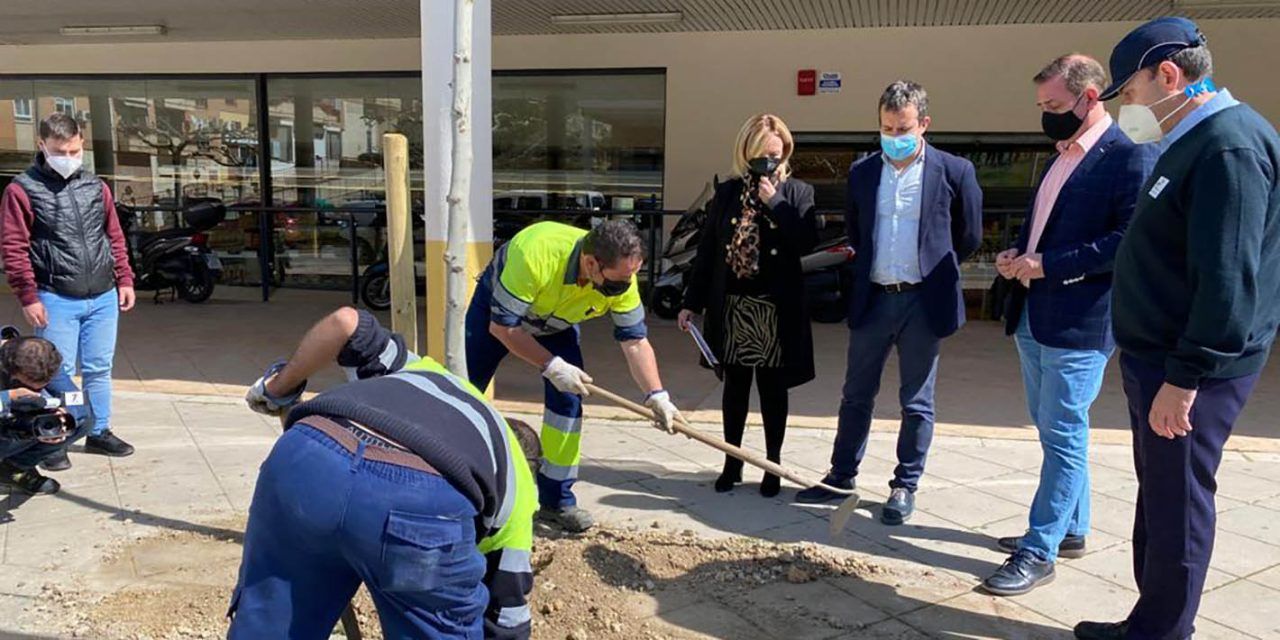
(897,287)
(378,448)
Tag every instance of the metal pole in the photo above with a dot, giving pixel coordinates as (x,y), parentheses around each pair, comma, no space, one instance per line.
(266,244)
(655,219)
(355,264)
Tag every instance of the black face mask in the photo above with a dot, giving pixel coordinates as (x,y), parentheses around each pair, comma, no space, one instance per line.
(763,166)
(1061,126)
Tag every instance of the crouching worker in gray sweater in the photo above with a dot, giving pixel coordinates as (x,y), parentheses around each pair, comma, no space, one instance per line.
(404,479)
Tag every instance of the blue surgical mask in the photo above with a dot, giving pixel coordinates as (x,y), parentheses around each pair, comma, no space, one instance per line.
(899,148)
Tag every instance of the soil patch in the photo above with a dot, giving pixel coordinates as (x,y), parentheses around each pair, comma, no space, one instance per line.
(646,583)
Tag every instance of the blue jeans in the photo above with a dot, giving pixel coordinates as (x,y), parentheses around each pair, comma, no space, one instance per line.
(561,433)
(84,330)
(324,519)
(894,320)
(1061,385)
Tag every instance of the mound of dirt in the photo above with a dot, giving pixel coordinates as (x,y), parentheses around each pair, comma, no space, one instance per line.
(609,583)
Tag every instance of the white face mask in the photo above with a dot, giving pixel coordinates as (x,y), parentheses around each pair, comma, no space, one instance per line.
(66,166)
(1139,122)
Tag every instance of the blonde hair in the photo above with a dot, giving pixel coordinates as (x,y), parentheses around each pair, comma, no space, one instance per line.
(751,140)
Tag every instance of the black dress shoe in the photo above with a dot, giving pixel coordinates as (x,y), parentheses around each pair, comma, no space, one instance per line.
(819,495)
(1070,547)
(107,444)
(1021,573)
(1102,630)
(56,462)
(899,507)
(770,485)
(27,480)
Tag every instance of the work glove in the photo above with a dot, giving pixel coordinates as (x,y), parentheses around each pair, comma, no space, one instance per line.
(566,377)
(262,402)
(665,413)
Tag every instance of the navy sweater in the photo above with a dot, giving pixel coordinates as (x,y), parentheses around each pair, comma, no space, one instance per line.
(1197,277)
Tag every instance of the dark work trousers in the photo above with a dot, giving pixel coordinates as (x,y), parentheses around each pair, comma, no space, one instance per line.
(893,320)
(1174,524)
(771,382)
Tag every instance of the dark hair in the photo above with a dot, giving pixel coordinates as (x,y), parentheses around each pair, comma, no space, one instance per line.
(898,95)
(35,359)
(1078,72)
(612,241)
(59,125)
(529,443)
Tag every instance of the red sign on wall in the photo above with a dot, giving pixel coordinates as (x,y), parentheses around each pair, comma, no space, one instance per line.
(807,82)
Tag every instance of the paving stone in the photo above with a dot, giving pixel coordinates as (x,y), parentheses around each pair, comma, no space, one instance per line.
(1074,593)
(1207,629)
(1244,605)
(974,615)
(827,609)
(708,620)
(966,507)
(1268,577)
(1255,522)
(1111,515)
(904,590)
(1248,482)
(1242,556)
(1018,487)
(960,468)
(890,630)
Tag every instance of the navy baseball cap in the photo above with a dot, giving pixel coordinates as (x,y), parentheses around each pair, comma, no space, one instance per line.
(1149,45)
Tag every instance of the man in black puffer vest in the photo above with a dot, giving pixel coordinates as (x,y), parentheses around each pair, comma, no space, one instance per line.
(67,262)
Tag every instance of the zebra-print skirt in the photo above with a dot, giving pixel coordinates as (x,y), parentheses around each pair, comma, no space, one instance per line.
(751,332)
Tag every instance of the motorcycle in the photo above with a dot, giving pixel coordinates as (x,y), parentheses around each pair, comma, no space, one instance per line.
(826,273)
(175,260)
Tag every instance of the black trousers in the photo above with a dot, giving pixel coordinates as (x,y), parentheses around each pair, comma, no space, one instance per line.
(736,403)
(1176,517)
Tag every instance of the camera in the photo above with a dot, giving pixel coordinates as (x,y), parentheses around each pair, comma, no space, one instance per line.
(40,417)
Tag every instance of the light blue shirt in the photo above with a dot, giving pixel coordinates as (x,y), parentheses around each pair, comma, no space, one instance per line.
(897,253)
(1222,100)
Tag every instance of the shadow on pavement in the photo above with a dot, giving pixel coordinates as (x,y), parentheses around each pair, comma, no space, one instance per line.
(920,544)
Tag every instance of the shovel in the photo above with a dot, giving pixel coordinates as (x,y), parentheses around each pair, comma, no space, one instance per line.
(838,519)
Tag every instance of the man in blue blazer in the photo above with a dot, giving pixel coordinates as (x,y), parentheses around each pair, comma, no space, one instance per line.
(1060,309)
(914,213)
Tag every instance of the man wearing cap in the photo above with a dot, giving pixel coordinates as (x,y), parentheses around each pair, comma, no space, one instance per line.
(1195,309)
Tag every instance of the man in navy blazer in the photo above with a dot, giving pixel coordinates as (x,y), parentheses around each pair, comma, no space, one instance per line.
(914,213)
(1060,308)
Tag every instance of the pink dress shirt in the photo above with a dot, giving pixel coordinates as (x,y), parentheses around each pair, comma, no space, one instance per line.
(1070,153)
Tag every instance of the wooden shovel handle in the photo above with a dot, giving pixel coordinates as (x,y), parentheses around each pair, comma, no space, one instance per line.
(744,455)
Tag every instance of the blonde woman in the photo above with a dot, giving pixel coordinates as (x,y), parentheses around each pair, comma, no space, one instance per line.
(747,281)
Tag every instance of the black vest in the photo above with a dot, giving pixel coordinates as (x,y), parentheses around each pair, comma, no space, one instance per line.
(70,249)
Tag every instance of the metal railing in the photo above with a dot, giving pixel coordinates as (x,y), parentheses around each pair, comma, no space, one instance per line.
(506,223)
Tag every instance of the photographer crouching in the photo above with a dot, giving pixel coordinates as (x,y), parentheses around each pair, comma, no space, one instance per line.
(41,410)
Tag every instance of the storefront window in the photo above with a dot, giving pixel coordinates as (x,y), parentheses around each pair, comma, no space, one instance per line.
(326,161)
(578,141)
(562,141)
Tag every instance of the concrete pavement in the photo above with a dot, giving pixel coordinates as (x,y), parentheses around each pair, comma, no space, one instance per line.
(198,457)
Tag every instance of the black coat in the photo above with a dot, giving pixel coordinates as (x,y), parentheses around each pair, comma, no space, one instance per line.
(788,227)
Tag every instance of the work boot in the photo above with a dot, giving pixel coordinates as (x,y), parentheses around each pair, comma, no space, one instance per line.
(1021,573)
(107,444)
(1102,630)
(818,495)
(57,461)
(1070,547)
(571,519)
(27,480)
(899,507)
